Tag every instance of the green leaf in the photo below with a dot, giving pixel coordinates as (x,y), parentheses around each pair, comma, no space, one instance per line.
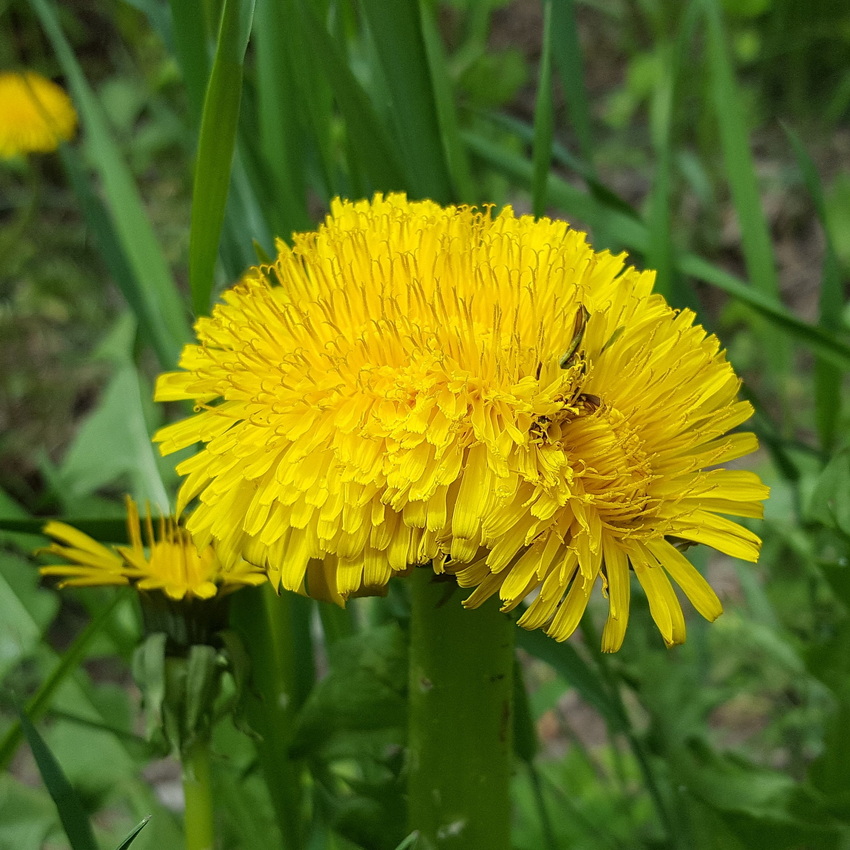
(156,286)
(363,692)
(27,611)
(71,813)
(40,702)
(112,443)
(29,816)
(216,144)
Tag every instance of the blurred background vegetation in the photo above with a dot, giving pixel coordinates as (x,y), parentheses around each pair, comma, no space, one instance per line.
(711,140)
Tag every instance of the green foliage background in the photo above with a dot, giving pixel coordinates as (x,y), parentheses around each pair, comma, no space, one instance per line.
(708,139)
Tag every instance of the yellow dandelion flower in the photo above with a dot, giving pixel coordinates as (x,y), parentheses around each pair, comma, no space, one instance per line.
(170,564)
(35,114)
(414,384)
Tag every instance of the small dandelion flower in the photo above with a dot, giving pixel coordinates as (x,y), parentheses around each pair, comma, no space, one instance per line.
(35,114)
(414,384)
(171,564)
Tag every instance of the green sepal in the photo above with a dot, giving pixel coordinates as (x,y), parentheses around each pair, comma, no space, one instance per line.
(180,692)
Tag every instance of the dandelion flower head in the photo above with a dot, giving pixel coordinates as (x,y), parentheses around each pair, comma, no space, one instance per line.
(484,392)
(35,114)
(171,563)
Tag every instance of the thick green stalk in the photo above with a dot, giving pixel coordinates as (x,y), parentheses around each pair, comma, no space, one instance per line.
(197,789)
(461,688)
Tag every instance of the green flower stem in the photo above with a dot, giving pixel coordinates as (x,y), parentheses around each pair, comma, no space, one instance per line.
(461,688)
(197,790)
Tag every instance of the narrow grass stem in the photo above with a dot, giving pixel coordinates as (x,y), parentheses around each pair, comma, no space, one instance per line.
(197,790)
(461,689)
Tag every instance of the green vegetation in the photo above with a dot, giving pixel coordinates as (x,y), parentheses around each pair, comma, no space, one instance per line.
(708,139)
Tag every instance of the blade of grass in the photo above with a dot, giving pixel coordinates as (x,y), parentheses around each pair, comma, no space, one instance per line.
(634,235)
(743,182)
(74,820)
(189,30)
(133,834)
(144,254)
(113,254)
(662,249)
(828,378)
(376,155)
(39,703)
(457,158)
(216,144)
(397,33)
(544,121)
(281,137)
(566,49)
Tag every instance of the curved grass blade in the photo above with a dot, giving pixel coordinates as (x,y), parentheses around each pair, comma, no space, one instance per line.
(544,121)
(163,310)
(216,144)
(401,51)
(75,822)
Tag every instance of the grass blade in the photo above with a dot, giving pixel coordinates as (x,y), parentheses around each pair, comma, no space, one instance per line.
(115,258)
(457,157)
(544,122)
(189,29)
(401,51)
(828,378)
(662,250)
(634,235)
(132,836)
(216,144)
(75,822)
(740,168)
(281,134)
(376,155)
(144,255)
(566,50)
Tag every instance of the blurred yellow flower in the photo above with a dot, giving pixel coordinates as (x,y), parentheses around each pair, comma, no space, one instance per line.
(35,114)
(171,563)
(414,384)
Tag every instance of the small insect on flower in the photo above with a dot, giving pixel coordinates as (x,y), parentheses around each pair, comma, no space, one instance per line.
(35,114)
(412,384)
(170,564)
